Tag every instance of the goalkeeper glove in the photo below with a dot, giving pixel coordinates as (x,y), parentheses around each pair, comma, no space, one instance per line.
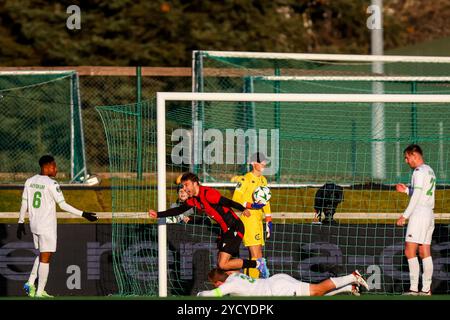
(254,205)
(269,229)
(269,226)
(20,230)
(89,216)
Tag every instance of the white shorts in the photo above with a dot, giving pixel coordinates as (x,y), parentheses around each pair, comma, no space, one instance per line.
(420,229)
(284,285)
(45,242)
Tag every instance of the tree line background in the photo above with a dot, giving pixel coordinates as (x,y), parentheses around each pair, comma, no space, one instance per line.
(163,33)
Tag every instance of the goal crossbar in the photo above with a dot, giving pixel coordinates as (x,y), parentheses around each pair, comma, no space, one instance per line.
(162,97)
(35,72)
(354,78)
(324,57)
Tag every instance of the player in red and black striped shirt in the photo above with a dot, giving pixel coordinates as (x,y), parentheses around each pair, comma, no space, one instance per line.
(219,208)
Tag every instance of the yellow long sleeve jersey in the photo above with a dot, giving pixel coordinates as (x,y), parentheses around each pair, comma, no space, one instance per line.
(245,187)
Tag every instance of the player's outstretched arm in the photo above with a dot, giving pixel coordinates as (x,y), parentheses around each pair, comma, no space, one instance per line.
(91,216)
(170,212)
(254,205)
(269,226)
(68,208)
(57,194)
(210,293)
(153,214)
(233,204)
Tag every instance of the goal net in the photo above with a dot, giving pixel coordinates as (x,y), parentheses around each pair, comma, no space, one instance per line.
(41,114)
(259,72)
(224,71)
(320,139)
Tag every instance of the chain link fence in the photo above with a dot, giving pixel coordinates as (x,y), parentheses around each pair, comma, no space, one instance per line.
(101,86)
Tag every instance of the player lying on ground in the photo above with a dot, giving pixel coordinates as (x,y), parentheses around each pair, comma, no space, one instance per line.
(239,284)
(219,208)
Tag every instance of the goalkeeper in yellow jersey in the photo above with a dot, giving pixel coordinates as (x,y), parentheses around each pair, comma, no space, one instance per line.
(254,231)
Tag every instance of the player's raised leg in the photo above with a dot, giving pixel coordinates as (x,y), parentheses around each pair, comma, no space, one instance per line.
(322,288)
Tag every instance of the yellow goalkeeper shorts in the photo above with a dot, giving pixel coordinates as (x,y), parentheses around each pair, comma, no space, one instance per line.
(254,232)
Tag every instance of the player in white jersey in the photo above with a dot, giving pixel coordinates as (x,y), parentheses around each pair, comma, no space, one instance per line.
(39,197)
(421,219)
(239,284)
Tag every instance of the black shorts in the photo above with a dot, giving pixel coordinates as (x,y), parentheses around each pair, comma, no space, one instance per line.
(230,241)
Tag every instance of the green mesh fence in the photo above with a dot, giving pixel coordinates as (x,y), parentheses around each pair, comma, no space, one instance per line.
(226,71)
(99,90)
(133,191)
(387,85)
(352,134)
(40,115)
(296,73)
(316,143)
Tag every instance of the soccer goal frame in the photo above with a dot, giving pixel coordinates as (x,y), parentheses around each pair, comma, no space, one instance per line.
(376,62)
(377,83)
(78,167)
(163,97)
(198,55)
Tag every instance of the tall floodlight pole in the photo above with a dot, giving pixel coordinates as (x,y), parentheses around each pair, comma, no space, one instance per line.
(378,130)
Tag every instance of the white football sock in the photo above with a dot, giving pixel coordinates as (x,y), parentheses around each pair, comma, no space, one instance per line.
(347,288)
(427,274)
(343,281)
(43,275)
(414,272)
(34,271)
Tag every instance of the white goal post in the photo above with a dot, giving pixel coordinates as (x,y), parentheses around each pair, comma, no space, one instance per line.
(78,167)
(325,56)
(163,97)
(425,79)
(377,62)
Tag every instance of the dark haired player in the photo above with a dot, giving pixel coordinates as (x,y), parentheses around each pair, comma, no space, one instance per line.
(219,208)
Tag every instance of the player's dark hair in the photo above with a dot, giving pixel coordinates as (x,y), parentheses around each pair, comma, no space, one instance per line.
(45,160)
(190,176)
(413,148)
(217,274)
